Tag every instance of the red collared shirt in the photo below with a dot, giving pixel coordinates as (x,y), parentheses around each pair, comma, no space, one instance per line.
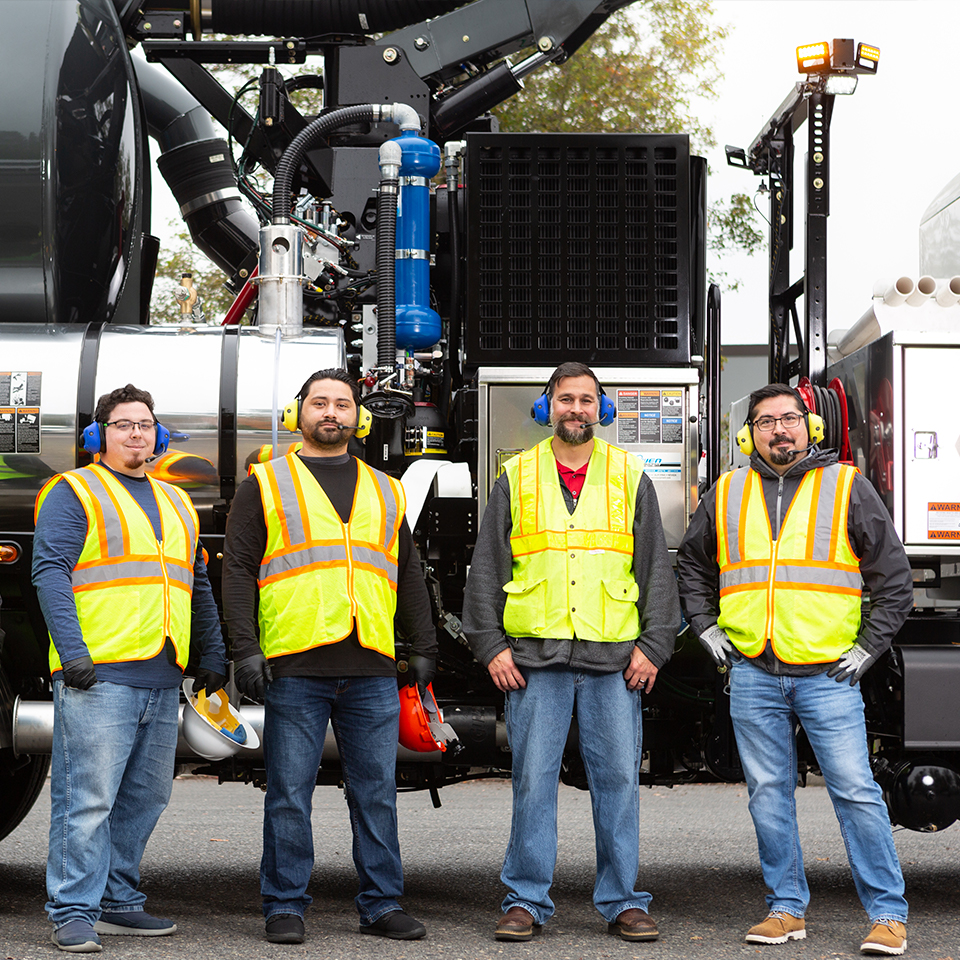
(574,479)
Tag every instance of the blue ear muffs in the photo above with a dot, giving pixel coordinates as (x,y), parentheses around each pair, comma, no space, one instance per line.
(540,411)
(94,439)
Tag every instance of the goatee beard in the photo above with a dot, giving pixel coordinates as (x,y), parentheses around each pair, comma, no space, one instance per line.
(574,435)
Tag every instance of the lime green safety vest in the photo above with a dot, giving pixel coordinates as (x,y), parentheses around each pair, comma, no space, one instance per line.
(131,590)
(573,572)
(318,574)
(801,592)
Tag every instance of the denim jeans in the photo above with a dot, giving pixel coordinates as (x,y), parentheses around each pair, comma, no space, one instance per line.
(365,715)
(765,710)
(538,719)
(111,777)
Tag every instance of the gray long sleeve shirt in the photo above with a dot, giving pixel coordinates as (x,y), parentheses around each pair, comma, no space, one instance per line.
(884,566)
(492,567)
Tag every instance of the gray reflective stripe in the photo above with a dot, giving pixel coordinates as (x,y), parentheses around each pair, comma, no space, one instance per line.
(734,501)
(283,471)
(829,480)
(744,575)
(820,576)
(180,574)
(290,562)
(390,505)
(185,515)
(377,559)
(332,553)
(113,528)
(123,570)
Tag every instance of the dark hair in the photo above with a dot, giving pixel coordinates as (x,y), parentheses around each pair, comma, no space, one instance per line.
(332,373)
(572,368)
(770,391)
(127,394)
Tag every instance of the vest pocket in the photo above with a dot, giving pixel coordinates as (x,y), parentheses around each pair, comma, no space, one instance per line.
(525,613)
(619,604)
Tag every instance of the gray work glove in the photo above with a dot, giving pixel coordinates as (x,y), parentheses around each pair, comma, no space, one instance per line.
(718,645)
(421,671)
(252,674)
(208,681)
(80,673)
(853,665)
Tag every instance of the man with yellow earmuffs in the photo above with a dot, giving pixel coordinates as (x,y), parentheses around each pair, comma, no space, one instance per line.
(771,572)
(318,558)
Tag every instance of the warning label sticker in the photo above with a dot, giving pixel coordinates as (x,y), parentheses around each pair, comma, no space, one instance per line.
(20,411)
(943,520)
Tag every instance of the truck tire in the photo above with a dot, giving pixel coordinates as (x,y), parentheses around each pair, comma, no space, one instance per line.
(20,785)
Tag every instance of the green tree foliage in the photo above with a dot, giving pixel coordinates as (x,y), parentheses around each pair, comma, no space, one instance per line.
(638,72)
(641,72)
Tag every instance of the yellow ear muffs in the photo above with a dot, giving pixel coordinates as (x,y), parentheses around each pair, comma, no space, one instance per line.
(290,418)
(745,440)
(815,427)
(364,422)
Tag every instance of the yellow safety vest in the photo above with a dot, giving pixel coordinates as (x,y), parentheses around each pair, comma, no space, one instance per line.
(318,574)
(573,572)
(800,592)
(131,590)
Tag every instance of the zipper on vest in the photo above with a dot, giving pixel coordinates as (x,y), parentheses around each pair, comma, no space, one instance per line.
(166,594)
(771,576)
(351,595)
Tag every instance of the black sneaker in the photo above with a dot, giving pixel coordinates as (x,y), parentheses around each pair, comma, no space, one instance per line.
(284,928)
(396,926)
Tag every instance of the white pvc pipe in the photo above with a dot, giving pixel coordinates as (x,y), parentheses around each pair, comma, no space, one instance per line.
(949,292)
(899,291)
(926,288)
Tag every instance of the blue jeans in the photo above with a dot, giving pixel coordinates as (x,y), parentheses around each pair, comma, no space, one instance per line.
(111,777)
(765,710)
(365,714)
(538,719)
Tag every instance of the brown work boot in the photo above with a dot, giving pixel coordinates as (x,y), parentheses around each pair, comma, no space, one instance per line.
(634,924)
(779,927)
(516,924)
(887,936)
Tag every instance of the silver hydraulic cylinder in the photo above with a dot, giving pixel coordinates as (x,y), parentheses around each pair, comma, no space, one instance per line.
(281,280)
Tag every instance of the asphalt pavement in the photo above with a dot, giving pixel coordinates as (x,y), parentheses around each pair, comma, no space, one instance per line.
(698,858)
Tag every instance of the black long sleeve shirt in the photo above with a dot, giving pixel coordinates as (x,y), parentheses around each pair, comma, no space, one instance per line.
(244,548)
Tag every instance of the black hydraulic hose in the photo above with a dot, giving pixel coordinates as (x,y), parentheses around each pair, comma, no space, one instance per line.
(386,274)
(293,155)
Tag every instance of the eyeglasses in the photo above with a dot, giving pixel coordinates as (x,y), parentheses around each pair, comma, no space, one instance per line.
(125,426)
(766,424)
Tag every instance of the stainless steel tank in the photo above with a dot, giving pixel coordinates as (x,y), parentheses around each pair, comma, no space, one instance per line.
(216,389)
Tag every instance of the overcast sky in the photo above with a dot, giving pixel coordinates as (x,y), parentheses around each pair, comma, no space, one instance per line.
(895,142)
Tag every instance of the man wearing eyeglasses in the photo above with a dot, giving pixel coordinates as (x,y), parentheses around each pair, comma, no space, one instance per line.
(771,572)
(123,587)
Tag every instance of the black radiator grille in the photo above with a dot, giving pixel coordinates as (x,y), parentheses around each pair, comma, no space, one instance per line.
(578,247)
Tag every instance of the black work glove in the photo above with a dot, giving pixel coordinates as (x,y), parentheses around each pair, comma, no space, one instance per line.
(421,671)
(208,681)
(252,674)
(80,673)
(852,665)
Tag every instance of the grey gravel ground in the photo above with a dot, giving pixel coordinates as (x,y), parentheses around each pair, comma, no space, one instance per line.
(698,857)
